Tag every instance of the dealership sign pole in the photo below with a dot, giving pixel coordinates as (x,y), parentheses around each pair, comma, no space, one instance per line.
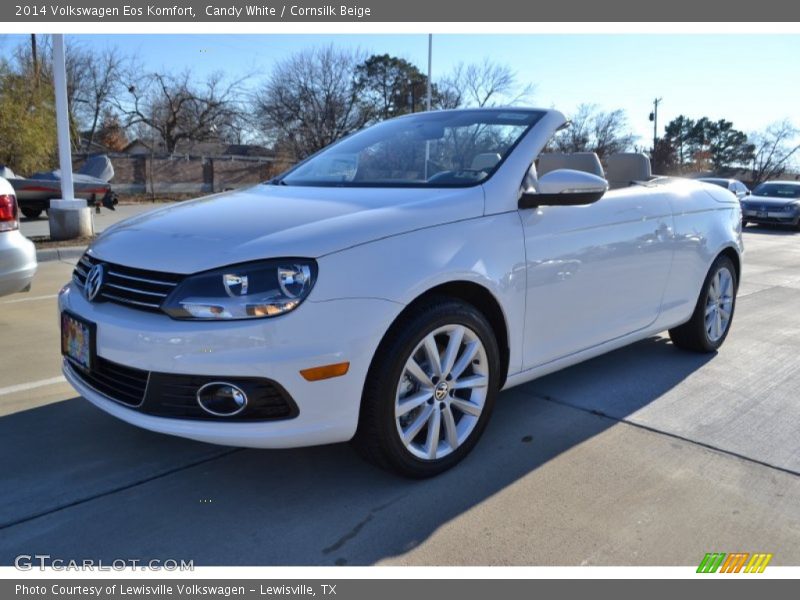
(69,218)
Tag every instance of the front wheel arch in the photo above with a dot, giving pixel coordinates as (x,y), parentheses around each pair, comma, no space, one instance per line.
(479,297)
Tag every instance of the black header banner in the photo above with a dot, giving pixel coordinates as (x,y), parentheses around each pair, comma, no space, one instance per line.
(320,11)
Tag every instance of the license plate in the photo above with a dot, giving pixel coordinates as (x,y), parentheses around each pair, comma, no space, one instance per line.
(78,340)
(761,215)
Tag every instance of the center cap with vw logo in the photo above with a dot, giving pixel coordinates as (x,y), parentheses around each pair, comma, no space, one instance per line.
(94,281)
(441,390)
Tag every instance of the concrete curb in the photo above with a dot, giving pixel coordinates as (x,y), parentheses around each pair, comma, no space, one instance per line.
(64,253)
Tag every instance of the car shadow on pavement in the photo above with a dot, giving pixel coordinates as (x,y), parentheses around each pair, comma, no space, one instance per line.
(81,484)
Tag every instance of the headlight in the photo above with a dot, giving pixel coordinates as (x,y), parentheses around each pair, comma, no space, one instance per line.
(247,291)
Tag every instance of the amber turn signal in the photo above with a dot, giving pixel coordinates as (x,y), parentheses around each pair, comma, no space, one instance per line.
(325,371)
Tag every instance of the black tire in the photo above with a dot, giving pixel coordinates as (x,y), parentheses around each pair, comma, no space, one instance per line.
(31,213)
(693,335)
(377,438)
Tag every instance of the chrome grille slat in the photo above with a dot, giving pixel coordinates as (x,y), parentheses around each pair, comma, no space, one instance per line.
(142,279)
(135,291)
(121,300)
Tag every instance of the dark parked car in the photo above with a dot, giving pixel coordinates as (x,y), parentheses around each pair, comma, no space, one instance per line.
(773,202)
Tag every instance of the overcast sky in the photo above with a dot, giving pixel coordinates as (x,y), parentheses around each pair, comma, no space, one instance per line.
(751,80)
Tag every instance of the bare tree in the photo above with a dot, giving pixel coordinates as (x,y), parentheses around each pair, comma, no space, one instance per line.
(100,82)
(93,78)
(774,149)
(482,84)
(594,130)
(177,109)
(312,99)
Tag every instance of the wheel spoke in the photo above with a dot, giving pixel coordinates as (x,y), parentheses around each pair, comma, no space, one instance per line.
(451,352)
(413,369)
(726,283)
(432,352)
(466,407)
(466,357)
(472,381)
(409,403)
(710,308)
(412,430)
(434,428)
(450,431)
(713,293)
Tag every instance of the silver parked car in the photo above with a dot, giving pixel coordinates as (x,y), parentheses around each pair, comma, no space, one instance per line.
(773,203)
(734,186)
(17,253)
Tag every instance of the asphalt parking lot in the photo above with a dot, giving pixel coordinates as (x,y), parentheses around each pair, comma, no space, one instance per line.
(645,456)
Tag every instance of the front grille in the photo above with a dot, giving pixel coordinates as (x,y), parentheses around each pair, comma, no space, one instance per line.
(137,288)
(171,395)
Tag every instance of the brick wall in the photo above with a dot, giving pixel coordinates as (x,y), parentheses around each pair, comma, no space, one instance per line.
(179,174)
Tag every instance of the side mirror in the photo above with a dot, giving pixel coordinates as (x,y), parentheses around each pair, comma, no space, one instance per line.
(565,187)
(748,192)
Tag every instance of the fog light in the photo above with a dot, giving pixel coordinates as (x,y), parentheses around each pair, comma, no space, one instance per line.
(221,399)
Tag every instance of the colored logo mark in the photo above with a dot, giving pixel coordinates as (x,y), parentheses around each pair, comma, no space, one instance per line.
(737,562)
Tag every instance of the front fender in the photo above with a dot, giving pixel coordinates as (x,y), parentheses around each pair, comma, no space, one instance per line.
(488,251)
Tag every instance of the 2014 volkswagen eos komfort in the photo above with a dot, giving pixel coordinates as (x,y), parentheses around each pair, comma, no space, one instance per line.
(388,287)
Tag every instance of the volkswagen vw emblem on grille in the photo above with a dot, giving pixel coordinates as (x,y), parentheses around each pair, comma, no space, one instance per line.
(94,281)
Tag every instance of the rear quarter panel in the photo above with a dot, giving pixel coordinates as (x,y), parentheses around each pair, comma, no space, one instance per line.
(707,220)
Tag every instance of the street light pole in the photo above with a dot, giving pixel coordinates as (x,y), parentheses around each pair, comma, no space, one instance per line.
(62,118)
(69,217)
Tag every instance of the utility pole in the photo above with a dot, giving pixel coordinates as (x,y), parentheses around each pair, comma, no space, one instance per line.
(654,119)
(430,57)
(35,59)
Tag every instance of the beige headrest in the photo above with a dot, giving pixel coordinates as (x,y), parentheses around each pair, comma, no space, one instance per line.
(485,161)
(625,168)
(579,161)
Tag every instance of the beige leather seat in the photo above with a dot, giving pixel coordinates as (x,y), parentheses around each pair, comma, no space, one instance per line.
(627,168)
(485,161)
(578,161)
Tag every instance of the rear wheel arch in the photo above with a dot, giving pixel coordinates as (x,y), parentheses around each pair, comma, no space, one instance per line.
(731,253)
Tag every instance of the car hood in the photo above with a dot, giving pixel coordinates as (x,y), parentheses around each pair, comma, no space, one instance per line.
(768,201)
(269,221)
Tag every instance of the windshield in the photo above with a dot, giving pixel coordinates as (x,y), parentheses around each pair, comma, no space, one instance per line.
(778,190)
(433,149)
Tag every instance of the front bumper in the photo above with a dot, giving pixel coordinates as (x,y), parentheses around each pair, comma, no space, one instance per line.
(17,262)
(772,217)
(316,333)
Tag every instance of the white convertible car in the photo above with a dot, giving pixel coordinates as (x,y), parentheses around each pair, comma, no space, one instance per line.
(388,287)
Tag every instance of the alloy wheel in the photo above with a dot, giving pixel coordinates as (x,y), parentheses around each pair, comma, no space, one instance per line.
(441,392)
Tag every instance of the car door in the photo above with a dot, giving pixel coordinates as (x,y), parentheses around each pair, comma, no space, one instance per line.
(595,272)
